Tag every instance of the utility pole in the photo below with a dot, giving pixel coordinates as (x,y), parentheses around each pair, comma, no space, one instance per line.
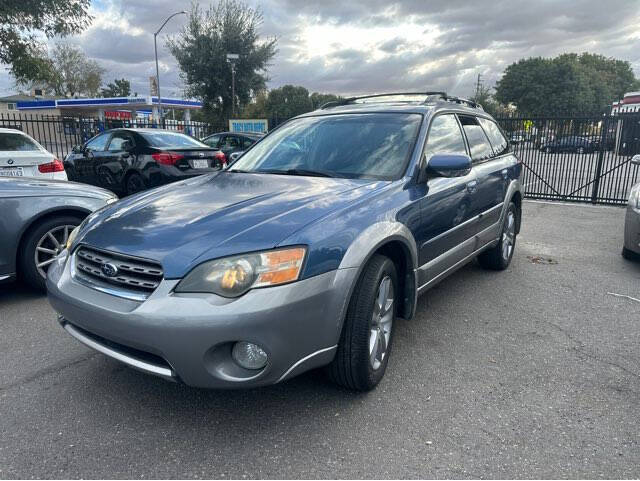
(478,85)
(155,46)
(232,58)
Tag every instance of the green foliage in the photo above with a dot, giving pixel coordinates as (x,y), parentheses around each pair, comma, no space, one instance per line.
(228,26)
(490,105)
(117,88)
(567,84)
(72,73)
(318,99)
(288,101)
(24,24)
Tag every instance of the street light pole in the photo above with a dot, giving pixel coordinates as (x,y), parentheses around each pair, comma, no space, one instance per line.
(232,58)
(155,46)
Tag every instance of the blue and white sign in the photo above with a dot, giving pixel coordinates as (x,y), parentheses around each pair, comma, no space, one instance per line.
(248,125)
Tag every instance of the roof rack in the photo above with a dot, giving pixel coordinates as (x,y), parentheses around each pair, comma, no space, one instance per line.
(439,94)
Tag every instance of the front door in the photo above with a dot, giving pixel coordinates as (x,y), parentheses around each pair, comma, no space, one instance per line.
(84,163)
(447,230)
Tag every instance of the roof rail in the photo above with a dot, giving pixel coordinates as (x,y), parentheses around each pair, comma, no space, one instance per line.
(350,100)
(441,95)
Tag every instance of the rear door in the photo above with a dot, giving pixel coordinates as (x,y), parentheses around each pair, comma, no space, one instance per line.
(488,199)
(447,230)
(111,165)
(20,156)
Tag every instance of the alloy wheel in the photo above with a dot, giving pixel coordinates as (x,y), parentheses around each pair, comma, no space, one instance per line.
(381,323)
(50,245)
(508,236)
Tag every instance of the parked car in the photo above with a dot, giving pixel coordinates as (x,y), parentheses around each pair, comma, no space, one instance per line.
(127,161)
(37,218)
(517,137)
(22,156)
(572,143)
(631,248)
(232,142)
(302,254)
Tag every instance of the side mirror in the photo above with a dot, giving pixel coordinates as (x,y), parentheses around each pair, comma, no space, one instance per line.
(77,149)
(635,159)
(235,156)
(449,165)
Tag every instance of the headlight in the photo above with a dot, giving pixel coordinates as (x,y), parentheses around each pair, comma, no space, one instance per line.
(233,276)
(72,236)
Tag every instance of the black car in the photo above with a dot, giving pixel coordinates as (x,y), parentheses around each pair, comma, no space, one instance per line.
(230,142)
(38,217)
(572,143)
(126,161)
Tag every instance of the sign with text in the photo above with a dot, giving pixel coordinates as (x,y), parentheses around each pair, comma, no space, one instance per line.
(248,125)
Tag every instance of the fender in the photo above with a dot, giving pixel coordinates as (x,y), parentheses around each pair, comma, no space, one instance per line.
(368,242)
(514,186)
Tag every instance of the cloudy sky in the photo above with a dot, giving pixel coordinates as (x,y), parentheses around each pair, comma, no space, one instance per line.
(364,46)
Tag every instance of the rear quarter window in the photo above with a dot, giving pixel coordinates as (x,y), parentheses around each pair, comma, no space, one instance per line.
(498,142)
(478,143)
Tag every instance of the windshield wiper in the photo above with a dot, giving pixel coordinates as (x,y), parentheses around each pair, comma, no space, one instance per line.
(301,172)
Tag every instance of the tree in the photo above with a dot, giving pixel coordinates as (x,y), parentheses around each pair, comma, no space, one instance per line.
(318,99)
(117,88)
(567,84)
(229,26)
(288,101)
(484,97)
(72,73)
(23,24)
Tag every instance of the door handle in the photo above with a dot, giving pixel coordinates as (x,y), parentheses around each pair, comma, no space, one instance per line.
(472,186)
(505,173)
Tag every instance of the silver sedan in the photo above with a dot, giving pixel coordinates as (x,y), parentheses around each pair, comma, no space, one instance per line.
(631,249)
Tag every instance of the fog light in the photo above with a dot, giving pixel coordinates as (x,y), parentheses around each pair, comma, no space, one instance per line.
(248,355)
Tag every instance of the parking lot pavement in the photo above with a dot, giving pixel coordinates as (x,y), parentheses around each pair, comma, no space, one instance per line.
(532,372)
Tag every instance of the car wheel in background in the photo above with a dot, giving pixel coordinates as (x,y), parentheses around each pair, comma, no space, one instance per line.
(365,342)
(499,257)
(41,245)
(547,150)
(134,184)
(580,150)
(630,255)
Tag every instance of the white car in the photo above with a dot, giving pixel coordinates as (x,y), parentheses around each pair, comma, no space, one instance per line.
(22,156)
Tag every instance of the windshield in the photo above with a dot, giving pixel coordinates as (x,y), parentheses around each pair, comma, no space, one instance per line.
(16,143)
(171,140)
(349,145)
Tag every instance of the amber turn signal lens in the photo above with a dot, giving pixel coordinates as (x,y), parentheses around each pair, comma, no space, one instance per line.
(279,267)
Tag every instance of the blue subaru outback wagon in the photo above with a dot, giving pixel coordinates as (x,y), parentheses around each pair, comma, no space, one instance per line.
(303,253)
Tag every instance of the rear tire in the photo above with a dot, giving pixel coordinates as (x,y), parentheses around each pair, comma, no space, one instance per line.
(38,248)
(366,338)
(499,257)
(134,184)
(630,255)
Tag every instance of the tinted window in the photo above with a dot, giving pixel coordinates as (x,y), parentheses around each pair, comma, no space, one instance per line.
(212,141)
(445,137)
(171,140)
(97,144)
(16,142)
(118,139)
(247,142)
(230,142)
(350,145)
(498,142)
(478,143)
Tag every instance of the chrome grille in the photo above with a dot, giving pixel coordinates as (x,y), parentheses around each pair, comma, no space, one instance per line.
(136,276)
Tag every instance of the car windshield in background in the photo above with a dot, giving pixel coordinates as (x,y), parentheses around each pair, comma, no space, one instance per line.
(16,143)
(172,140)
(374,146)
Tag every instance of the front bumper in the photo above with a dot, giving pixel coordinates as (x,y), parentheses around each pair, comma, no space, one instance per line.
(190,337)
(632,229)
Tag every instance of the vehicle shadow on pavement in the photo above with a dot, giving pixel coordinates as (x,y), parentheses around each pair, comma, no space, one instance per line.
(18,292)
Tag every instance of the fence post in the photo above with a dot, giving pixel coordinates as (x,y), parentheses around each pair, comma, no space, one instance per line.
(602,148)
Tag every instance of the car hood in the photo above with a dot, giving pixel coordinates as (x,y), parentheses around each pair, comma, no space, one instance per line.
(36,187)
(184,224)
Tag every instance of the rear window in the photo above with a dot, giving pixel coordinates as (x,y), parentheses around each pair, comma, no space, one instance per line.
(171,140)
(478,143)
(10,142)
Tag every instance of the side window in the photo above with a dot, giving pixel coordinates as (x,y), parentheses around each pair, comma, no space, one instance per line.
(117,140)
(444,137)
(97,144)
(247,142)
(213,141)
(230,142)
(478,143)
(498,142)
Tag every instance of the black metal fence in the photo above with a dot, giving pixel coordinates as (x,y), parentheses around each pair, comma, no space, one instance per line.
(577,158)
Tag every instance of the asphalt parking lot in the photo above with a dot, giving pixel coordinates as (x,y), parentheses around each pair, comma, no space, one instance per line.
(529,373)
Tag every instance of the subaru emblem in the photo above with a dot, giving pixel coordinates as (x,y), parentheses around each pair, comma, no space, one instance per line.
(109,269)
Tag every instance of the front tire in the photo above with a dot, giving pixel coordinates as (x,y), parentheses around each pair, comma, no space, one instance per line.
(41,246)
(499,257)
(365,342)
